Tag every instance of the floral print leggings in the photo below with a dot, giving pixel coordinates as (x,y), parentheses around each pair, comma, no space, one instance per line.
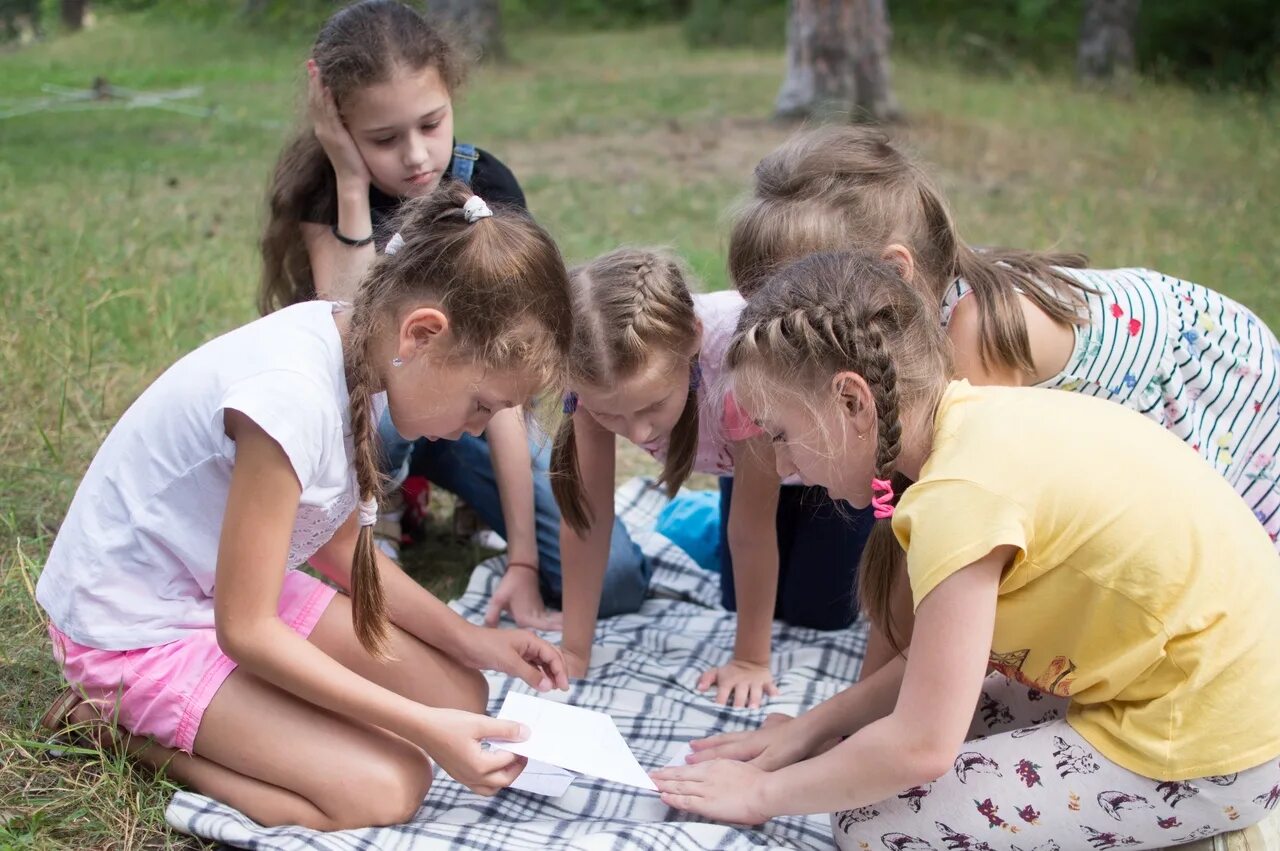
(1026,781)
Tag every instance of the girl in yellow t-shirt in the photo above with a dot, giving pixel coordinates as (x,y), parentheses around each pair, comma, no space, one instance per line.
(1119,589)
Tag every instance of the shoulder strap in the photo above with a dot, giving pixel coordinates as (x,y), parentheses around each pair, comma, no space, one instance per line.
(464,162)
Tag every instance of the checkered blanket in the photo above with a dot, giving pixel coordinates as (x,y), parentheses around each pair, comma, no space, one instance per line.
(644,671)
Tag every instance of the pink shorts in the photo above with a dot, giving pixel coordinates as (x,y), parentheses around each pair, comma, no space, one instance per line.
(162,692)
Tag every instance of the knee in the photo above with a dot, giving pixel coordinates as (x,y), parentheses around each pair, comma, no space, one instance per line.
(388,790)
(473,693)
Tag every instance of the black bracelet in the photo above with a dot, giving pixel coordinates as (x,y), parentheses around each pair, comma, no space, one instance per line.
(346,240)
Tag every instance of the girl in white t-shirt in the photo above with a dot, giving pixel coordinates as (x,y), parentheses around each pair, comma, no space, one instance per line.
(175,606)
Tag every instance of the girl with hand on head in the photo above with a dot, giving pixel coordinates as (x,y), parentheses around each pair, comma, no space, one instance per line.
(645,365)
(175,605)
(1124,595)
(380,86)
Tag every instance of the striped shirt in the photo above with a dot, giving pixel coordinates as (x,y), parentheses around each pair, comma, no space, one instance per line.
(1200,364)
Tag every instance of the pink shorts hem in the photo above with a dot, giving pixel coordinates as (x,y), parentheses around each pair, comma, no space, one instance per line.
(162,692)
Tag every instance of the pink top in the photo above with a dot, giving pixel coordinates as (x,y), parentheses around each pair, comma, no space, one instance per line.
(720,420)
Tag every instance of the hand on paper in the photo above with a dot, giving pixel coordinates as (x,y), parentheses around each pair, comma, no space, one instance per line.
(722,790)
(453,738)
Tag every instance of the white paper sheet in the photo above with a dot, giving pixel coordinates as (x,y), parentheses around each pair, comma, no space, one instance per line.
(539,778)
(576,739)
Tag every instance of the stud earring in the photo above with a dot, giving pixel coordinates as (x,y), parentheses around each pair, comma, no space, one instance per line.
(397,362)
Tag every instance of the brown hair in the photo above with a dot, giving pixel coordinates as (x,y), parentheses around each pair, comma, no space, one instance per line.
(847,311)
(501,282)
(361,45)
(851,188)
(628,305)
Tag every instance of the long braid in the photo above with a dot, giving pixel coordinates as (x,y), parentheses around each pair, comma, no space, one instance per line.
(836,312)
(368,600)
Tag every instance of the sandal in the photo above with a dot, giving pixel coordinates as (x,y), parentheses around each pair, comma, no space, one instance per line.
(57,718)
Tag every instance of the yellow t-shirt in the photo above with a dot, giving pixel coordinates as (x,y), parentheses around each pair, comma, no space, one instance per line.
(1144,589)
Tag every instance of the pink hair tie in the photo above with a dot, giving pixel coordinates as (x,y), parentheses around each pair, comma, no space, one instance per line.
(882,498)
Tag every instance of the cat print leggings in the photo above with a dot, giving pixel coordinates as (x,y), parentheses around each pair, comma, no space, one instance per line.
(1026,781)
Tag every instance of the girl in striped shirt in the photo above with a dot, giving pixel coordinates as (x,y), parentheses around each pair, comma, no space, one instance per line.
(1195,361)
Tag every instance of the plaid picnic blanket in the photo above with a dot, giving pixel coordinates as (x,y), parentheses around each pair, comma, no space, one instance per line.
(644,671)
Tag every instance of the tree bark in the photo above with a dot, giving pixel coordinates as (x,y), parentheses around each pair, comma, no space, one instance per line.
(1106,51)
(73,14)
(837,62)
(478,23)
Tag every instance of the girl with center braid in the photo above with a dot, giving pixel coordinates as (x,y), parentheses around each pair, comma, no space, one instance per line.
(1120,589)
(175,604)
(646,364)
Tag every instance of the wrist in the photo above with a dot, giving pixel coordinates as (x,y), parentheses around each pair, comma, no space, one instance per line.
(766,803)
(528,567)
(353,188)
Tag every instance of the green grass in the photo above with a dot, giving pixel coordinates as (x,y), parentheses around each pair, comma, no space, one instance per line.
(129,238)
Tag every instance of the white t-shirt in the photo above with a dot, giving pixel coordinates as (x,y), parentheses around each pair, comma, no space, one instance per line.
(134,562)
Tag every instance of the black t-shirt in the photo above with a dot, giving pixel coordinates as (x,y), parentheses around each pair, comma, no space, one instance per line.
(490,179)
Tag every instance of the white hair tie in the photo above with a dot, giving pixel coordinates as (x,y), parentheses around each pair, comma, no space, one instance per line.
(394,244)
(475,209)
(368,511)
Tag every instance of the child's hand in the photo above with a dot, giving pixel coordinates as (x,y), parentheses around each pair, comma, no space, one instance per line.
(518,593)
(348,165)
(779,742)
(453,739)
(743,683)
(723,790)
(517,653)
(574,664)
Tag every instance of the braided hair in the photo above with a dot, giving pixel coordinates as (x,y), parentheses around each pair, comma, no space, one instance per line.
(838,312)
(628,305)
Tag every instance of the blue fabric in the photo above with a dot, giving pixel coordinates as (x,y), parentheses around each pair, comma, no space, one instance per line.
(819,546)
(692,522)
(465,467)
(464,162)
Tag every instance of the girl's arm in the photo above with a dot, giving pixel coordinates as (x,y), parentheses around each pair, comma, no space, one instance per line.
(336,268)
(254,544)
(753,545)
(421,614)
(519,589)
(1051,345)
(915,744)
(509,448)
(583,559)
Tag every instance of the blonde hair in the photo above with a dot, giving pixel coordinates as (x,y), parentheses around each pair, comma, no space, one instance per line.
(851,188)
(835,312)
(502,283)
(629,305)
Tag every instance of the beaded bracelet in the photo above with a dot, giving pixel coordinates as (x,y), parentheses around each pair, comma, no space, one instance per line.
(346,240)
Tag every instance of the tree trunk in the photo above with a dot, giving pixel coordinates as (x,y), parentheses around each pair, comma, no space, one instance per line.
(837,62)
(73,14)
(1106,48)
(477,23)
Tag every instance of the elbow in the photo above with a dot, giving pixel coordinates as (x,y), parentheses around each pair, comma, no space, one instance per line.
(239,640)
(925,754)
(929,763)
